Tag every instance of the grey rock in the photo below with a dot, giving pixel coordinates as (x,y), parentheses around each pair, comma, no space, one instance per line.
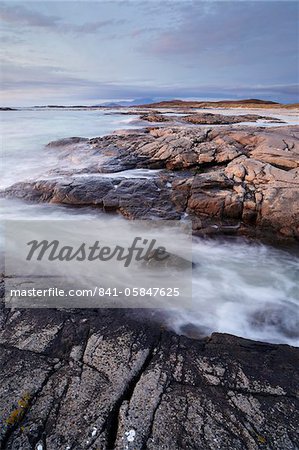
(67,141)
(108,380)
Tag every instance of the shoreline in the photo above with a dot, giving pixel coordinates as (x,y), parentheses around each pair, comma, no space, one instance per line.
(87,378)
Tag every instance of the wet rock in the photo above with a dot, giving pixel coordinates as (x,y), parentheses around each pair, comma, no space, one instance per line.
(67,141)
(133,198)
(228,180)
(285,319)
(101,379)
(164,259)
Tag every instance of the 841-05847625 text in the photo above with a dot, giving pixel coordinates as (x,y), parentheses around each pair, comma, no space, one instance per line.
(97,292)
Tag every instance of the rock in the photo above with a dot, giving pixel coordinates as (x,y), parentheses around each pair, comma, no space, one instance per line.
(67,141)
(104,379)
(164,259)
(7,109)
(116,379)
(205,118)
(133,198)
(231,180)
(155,117)
(219,119)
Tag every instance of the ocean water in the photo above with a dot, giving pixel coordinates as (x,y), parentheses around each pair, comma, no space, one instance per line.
(25,134)
(246,289)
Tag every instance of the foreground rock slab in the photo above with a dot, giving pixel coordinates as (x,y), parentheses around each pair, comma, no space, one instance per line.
(105,380)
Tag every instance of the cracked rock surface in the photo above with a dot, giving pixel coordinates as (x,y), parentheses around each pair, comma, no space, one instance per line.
(102,380)
(228,180)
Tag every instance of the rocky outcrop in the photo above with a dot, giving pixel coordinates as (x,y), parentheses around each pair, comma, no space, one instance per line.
(156,117)
(136,198)
(205,118)
(116,379)
(228,180)
(107,380)
(67,141)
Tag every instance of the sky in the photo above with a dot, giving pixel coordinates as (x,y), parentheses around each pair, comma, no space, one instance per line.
(93,51)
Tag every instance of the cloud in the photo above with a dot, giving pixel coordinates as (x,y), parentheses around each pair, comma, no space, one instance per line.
(138,32)
(27,76)
(55,80)
(202,49)
(11,39)
(22,16)
(239,29)
(40,85)
(89,27)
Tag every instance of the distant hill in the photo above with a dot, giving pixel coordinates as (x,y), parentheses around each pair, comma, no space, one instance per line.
(209,104)
(136,102)
(250,101)
(291,105)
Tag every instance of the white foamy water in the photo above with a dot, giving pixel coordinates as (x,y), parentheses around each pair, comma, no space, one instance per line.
(25,133)
(239,288)
(243,289)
